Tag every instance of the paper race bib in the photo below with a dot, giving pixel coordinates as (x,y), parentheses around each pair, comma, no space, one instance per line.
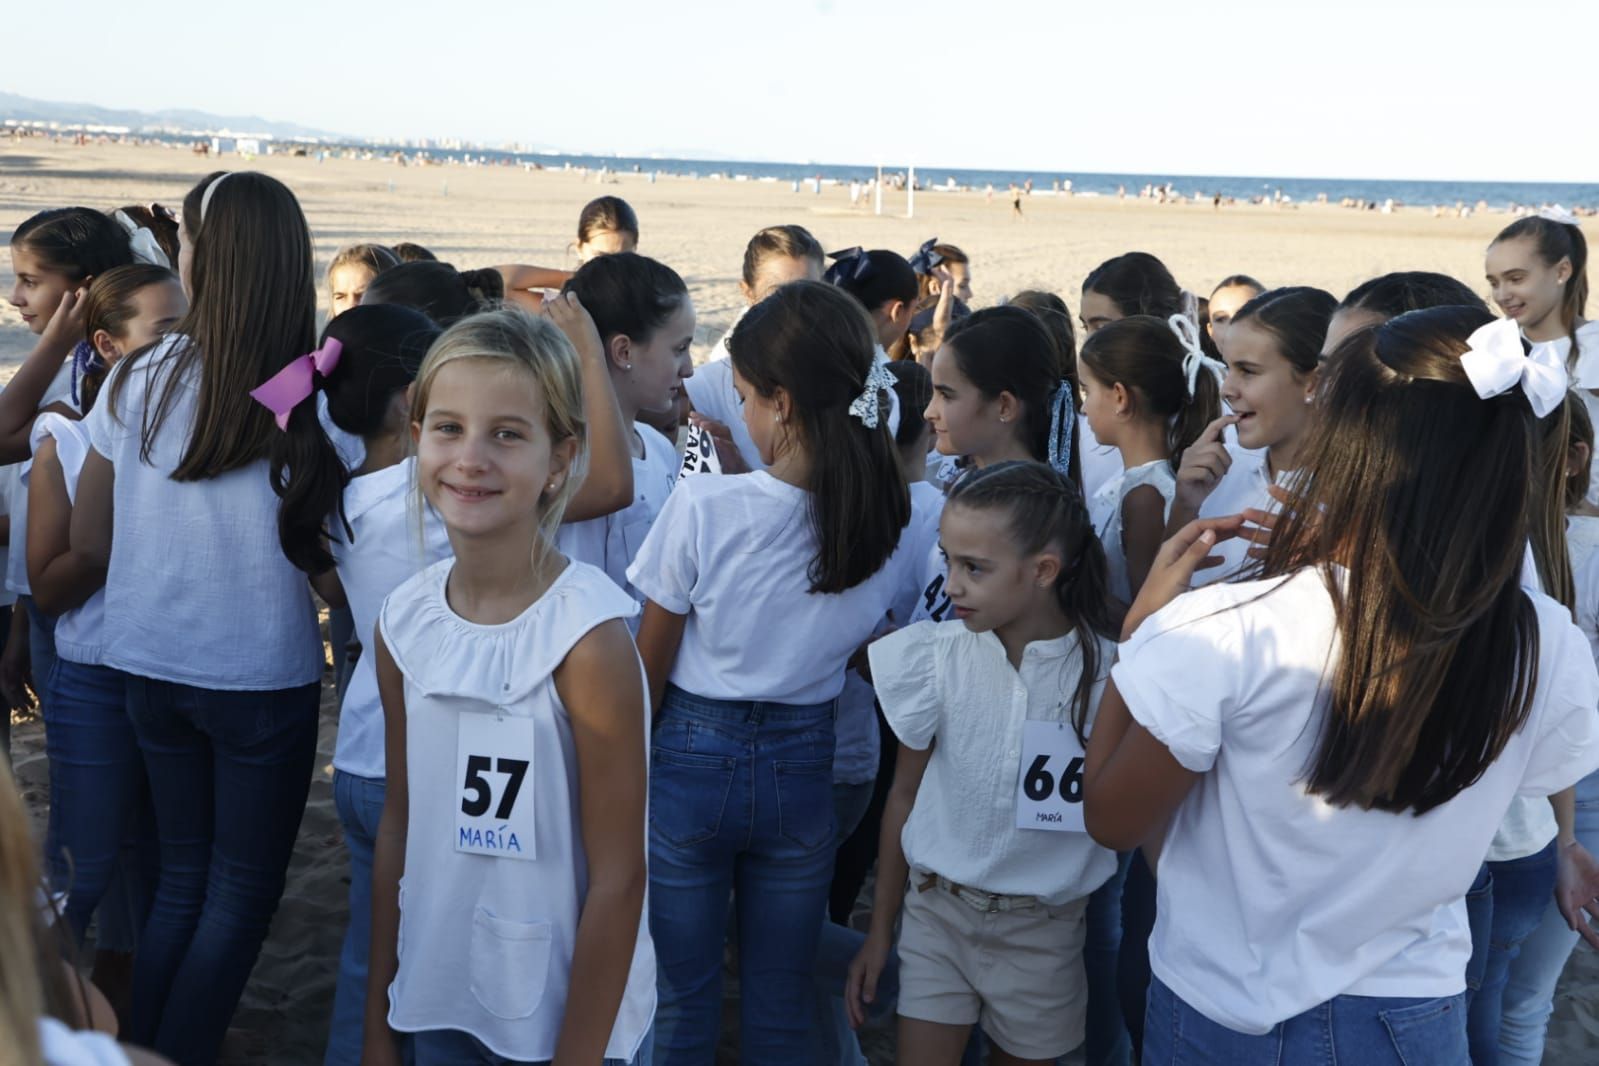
(699,454)
(1049,787)
(494,792)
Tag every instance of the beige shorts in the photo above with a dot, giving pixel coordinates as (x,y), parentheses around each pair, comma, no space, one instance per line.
(1020,973)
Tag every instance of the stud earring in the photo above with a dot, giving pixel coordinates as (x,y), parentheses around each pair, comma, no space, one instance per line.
(1310,399)
(627,366)
(1004,418)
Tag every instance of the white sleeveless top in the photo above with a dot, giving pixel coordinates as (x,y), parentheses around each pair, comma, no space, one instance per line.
(486,942)
(80,631)
(1105,511)
(611,541)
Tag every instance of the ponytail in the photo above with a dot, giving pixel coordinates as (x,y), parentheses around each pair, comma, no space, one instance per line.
(817,345)
(1046,510)
(380,348)
(1164,368)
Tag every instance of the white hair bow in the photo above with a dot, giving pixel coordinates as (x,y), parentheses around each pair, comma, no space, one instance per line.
(1194,357)
(1496,362)
(864,406)
(142,241)
(1558,214)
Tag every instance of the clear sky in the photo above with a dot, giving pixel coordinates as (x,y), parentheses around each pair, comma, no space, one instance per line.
(1363,88)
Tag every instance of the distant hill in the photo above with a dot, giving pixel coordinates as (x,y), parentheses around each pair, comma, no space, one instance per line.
(175,120)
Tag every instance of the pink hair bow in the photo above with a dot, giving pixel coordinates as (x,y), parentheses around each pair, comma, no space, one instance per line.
(289,387)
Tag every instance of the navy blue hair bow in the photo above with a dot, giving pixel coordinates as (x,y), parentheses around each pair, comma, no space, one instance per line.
(926,258)
(852,266)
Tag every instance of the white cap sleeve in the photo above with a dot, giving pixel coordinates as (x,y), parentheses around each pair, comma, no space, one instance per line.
(1179,676)
(666,568)
(1566,748)
(905,674)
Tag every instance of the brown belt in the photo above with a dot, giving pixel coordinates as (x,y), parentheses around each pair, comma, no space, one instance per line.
(986,902)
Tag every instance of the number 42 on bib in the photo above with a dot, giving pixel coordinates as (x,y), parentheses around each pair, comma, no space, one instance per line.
(1049,785)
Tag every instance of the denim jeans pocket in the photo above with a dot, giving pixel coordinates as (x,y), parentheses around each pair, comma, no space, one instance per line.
(688,795)
(1430,1033)
(805,801)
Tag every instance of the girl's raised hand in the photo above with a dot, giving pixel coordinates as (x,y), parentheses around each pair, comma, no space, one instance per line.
(1204,464)
(1172,573)
(568,313)
(727,452)
(65,327)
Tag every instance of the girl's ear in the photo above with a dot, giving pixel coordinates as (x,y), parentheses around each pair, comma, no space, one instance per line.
(1008,407)
(1312,380)
(619,350)
(561,456)
(1122,399)
(1047,568)
(1578,456)
(747,292)
(782,404)
(1563,269)
(106,346)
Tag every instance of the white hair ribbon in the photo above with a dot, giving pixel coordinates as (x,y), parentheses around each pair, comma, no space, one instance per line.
(1495,362)
(865,406)
(1194,357)
(210,190)
(145,247)
(1558,214)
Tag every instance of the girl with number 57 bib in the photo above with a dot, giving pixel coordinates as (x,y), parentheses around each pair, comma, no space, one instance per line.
(514,715)
(992,712)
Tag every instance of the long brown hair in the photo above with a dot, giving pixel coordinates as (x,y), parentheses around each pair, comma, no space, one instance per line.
(252,309)
(1144,355)
(1413,501)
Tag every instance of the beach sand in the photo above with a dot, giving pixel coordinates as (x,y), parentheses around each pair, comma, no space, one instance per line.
(479,216)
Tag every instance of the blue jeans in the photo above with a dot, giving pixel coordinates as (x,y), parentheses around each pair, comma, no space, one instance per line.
(450,1047)
(41,647)
(1107,1041)
(740,805)
(229,773)
(1344,1031)
(359,801)
(838,946)
(1534,973)
(100,843)
(341,641)
(1522,889)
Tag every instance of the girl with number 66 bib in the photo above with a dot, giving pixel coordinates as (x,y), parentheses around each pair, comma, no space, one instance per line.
(514,712)
(992,714)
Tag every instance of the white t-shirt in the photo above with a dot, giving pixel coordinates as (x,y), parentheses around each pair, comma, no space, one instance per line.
(611,541)
(732,553)
(939,681)
(1105,512)
(486,940)
(1271,901)
(61,1046)
(79,632)
(198,591)
(16,563)
(393,543)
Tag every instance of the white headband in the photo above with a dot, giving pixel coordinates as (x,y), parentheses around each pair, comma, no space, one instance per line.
(1495,362)
(205,199)
(142,241)
(1558,214)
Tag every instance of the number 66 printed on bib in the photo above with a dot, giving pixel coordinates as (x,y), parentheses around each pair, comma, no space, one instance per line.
(494,796)
(1049,786)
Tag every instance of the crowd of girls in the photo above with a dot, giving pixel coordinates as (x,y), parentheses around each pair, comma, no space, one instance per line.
(1211,683)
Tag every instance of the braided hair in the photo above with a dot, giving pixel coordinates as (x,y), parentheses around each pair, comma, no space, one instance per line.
(1046,510)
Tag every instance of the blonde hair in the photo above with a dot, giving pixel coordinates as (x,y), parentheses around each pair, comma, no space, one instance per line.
(512,337)
(25,959)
